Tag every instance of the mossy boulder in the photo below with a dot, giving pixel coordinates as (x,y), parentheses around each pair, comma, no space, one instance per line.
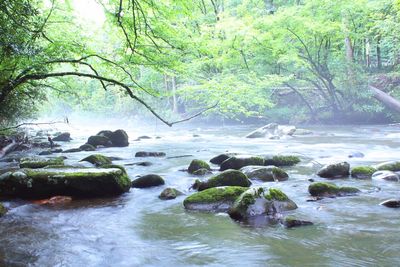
(106,133)
(114,166)
(362,172)
(72,181)
(386,175)
(265,173)
(99,140)
(260,201)
(143,154)
(3,210)
(291,222)
(87,147)
(226,178)
(63,137)
(149,180)
(201,172)
(221,158)
(336,170)
(393,166)
(236,163)
(322,189)
(169,193)
(282,160)
(97,159)
(37,162)
(216,199)
(197,164)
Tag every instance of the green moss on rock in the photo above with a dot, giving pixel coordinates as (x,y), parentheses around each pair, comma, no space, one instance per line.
(97,159)
(393,166)
(36,162)
(362,172)
(265,173)
(282,160)
(336,170)
(169,193)
(276,194)
(81,182)
(3,210)
(322,189)
(197,164)
(226,178)
(214,199)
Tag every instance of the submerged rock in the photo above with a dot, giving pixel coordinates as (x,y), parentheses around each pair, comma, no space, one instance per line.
(217,199)
(393,166)
(391,203)
(63,137)
(72,150)
(142,154)
(221,158)
(169,193)
(45,153)
(282,160)
(265,173)
(290,222)
(336,170)
(260,201)
(356,155)
(36,162)
(197,164)
(272,131)
(362,172)
(386,175)
(322,189)
(226,178)
(68,181)
(149,180)
(87,147)
(236,163)
(97,159)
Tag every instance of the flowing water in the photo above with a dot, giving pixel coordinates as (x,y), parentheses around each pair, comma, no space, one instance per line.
(138,229)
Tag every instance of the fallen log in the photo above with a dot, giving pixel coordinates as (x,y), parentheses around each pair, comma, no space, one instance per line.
(387,100)
(8,148)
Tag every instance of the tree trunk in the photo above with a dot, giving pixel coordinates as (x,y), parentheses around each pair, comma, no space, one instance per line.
(387,100)
(378,54)
(367,53)
(174,99)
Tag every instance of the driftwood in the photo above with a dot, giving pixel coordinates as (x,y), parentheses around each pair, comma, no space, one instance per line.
(387,100)
(8,148)
(30,123)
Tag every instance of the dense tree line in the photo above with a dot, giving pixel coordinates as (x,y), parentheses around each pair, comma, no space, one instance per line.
(291,61)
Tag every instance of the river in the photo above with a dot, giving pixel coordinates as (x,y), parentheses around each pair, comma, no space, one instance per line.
(138,229)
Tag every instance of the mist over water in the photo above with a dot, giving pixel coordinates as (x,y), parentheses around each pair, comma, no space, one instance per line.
(138,229)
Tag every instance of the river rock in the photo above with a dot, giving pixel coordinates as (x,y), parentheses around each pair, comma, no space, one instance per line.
(217,199)
(221,158)
(169,193)
(201,172)
(196,165)
(291,222)
(72,150)
(119,138)
(336,170)
(362,172)
(393,166)
(149,180)
(300,131)
(87,147)
(356,155)
(99,140)
(265,173)
(226,178)
(68,181)
(63,137)
(282,160)
(45,153)
(97,159)
(236,163)
(386,175)
(260,201)
(391,203)
(142,154)
(106,133)
(322,189)
(36,162)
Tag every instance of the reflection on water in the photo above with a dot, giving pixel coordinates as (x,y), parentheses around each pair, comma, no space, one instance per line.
(138,229)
